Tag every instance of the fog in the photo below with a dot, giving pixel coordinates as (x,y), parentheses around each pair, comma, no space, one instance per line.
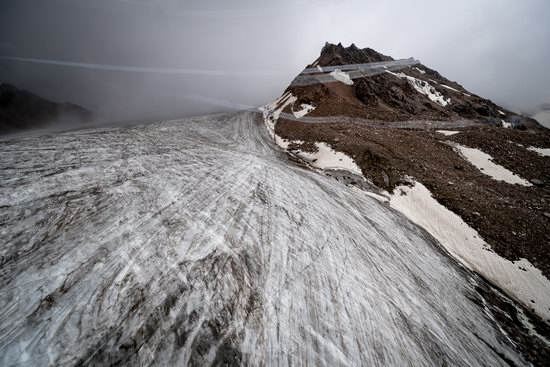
(138,60)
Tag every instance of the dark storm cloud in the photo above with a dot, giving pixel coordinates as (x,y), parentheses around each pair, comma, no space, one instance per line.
(139,59)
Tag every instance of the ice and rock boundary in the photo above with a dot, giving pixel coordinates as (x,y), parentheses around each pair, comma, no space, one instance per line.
(521,280)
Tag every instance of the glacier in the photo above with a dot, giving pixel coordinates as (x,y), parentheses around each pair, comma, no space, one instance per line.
(200,242)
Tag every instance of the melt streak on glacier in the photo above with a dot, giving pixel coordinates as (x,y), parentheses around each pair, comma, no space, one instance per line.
(198,242)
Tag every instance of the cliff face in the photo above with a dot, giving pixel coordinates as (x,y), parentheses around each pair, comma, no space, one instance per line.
(22,110)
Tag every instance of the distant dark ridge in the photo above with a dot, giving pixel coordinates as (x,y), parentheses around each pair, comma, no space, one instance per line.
(23,110)
(392,90)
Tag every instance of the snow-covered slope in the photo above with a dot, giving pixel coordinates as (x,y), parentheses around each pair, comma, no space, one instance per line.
(198,242)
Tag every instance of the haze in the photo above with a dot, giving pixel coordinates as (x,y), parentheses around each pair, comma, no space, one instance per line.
(157,59)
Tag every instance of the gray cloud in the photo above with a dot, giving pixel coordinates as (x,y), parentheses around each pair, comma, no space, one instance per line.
(130,59)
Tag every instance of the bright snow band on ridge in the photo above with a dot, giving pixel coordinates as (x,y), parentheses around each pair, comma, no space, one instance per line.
(320,74)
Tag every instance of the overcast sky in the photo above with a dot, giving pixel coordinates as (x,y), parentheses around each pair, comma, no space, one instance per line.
(142,59)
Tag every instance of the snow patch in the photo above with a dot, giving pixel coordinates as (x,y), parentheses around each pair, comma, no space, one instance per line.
(328,158)
(284,143)
(467,95)
(465,244)
(505,124)
(451,88)
(502,113)
(305,109)
(342,77)
(447,132)
(272,111)
(542,151)
(423,87)
(325,157)
(484,162)
(420,70)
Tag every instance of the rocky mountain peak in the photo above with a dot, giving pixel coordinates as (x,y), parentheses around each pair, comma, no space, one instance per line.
(377,86)
(332,55)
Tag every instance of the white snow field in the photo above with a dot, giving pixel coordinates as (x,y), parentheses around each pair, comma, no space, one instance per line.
(198,242)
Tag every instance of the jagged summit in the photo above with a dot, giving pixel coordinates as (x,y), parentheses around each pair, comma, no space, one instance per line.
(332,55)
